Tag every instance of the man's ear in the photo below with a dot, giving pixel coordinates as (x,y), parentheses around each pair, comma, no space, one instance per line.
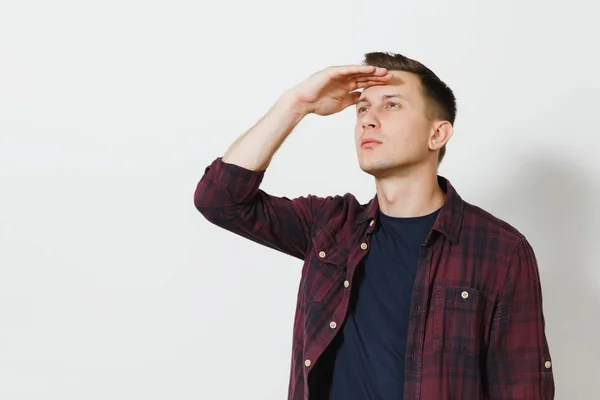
(442,132)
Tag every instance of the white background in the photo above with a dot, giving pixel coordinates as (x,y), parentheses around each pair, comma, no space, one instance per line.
(112,285)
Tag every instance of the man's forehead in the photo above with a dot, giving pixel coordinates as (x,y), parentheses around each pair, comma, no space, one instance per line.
(401,77)
(385,93)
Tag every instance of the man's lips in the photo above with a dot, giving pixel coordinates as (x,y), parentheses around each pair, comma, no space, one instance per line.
(369,142)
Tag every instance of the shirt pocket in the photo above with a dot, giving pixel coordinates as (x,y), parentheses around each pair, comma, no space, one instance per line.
(459,320)
(326,267)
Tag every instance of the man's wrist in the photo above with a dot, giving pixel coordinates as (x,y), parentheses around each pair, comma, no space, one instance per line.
(291,101)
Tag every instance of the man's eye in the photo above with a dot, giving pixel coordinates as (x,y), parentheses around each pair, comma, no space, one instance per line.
(394,104)
(362,109)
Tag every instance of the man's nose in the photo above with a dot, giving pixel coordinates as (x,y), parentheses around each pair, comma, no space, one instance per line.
(370,121)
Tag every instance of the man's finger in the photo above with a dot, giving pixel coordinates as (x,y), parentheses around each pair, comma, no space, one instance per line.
(366,78)
(366,84)
(350,99)
(353,69)
(348,70)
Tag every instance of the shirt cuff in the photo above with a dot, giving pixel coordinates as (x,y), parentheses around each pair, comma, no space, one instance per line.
(241,183)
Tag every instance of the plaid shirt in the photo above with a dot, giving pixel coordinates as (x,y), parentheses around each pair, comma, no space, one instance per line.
(476,328)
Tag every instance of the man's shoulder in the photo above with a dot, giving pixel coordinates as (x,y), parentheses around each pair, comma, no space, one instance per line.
(340,209)
(478,221)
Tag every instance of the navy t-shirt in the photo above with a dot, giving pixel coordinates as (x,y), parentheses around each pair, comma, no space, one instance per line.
(368,363)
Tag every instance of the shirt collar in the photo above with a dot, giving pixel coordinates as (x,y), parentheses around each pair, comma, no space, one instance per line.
(449,219)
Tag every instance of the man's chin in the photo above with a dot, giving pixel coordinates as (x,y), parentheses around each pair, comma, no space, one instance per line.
(382,169)
(376,169)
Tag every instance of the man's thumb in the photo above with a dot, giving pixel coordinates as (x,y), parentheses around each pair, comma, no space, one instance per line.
(351,99)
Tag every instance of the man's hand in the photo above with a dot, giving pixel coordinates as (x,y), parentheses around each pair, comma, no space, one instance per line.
(333,89)
(327,92)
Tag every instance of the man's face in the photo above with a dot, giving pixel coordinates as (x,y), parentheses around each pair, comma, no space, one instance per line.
(392,130)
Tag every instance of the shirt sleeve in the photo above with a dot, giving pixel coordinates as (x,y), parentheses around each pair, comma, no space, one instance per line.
(228,196)
(519,365)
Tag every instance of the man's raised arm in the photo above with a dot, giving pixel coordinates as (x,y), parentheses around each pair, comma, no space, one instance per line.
(228,194)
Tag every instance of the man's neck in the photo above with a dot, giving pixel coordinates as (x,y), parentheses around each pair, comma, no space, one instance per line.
(410,195)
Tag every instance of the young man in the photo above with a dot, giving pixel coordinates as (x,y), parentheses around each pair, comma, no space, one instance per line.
(415,295)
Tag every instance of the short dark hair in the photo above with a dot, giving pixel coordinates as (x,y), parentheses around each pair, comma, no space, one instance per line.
(439,97)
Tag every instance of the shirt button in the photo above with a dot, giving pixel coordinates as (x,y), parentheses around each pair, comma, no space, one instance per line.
(363,246)
(322,254)
(346,283)
(464,294)
(547,364)
(307,363)
(332,325)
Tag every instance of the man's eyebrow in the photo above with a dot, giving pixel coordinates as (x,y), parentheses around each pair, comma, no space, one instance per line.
(384,97)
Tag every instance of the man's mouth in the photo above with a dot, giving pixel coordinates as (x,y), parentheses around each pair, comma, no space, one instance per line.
(369,142)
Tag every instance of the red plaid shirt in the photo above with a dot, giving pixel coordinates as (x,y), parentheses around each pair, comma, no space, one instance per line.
(476,327)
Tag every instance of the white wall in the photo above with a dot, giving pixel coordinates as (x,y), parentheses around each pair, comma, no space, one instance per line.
(111,283)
